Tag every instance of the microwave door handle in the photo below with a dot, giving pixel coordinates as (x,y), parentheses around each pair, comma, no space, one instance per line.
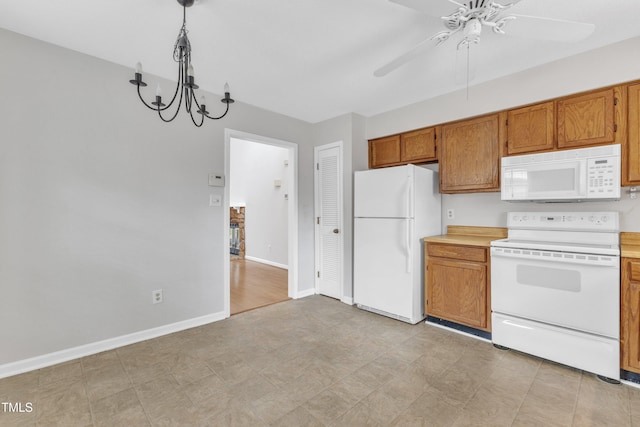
(582,173)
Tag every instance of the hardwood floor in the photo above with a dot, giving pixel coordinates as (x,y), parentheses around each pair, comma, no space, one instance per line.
(254,285)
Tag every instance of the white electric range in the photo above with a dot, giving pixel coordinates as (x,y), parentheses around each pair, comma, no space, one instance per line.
(555,288)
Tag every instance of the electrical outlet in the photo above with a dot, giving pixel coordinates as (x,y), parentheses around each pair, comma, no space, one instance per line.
(156,296)
(450,214)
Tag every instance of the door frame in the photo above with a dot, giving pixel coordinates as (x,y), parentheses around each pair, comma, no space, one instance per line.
(316,213)
(292,211)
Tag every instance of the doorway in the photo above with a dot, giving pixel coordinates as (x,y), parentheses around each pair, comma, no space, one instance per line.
(268,271)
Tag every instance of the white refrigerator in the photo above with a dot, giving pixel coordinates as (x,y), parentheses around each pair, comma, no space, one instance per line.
(394,208)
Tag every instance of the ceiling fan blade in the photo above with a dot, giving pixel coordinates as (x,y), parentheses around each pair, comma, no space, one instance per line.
(437,8)
(405,57)
(539,28)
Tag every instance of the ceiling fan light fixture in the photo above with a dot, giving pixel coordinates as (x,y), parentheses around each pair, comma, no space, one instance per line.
(471,15)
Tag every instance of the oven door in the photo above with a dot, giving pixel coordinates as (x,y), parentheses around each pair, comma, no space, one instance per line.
(577,291)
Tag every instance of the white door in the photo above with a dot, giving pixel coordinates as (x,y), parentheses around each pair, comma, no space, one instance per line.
(328,219)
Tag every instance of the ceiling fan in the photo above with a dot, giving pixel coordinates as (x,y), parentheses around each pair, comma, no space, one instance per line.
(471,16)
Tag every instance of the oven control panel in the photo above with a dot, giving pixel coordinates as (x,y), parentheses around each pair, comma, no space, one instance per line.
(569,221)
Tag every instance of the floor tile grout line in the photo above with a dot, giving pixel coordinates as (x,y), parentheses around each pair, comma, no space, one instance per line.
(577,397)
(86,392)
(133,386)
(526,394)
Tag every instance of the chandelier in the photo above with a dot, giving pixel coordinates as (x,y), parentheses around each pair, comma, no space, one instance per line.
(185,86)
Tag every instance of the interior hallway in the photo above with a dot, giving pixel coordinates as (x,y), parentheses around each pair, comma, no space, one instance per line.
(315,362)
(254,284)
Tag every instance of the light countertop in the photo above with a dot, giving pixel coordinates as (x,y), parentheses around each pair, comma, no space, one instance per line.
(469,236)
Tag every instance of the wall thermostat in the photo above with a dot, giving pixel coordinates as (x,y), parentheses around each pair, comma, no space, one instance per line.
(216,180)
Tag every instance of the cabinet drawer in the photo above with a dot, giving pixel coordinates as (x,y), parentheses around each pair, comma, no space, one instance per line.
(634,271)
(459,252)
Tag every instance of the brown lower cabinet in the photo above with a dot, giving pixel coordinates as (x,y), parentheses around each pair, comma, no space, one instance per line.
(457,284)
(630,314)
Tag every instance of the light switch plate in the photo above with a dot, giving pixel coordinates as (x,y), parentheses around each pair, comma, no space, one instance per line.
(216,180)
(215,200)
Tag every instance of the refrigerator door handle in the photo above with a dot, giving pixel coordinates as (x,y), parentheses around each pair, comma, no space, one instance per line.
(409,197)
(409,230)
(409,226)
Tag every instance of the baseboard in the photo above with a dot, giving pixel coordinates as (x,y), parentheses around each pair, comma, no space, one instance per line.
(265,261)
(459,329)
(31,364)
(347,300)
(305,293)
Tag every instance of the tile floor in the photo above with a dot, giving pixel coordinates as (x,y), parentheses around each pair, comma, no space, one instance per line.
(315,362)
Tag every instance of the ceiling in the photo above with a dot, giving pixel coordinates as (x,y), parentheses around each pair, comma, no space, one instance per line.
(308,59)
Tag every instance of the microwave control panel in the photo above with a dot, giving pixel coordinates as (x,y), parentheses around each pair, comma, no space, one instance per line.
(603,178)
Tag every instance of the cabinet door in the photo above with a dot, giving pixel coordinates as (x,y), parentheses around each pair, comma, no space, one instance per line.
(457,291)
(384,151)
(470,156)
(630,295)
(631,150)
(531,129)
(586,119)
(418,146)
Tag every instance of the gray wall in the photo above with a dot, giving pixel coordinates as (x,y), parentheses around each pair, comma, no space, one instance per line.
(602,67)
(101,202)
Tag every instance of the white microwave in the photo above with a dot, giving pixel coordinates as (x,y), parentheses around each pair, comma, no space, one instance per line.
(563,176)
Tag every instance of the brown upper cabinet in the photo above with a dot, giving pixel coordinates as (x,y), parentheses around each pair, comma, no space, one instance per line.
(384,151)
(470,155)
(591,118)
(531,128)
(418,146)
(631,150)
(469,151)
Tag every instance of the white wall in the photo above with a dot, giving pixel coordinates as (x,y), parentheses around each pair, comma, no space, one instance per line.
(101,203)
(607,66)
(254,168)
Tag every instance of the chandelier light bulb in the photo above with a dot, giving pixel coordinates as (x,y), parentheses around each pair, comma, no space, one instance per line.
(203,100)
(226,88)
(138,68)
(190,70)
(158,90)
